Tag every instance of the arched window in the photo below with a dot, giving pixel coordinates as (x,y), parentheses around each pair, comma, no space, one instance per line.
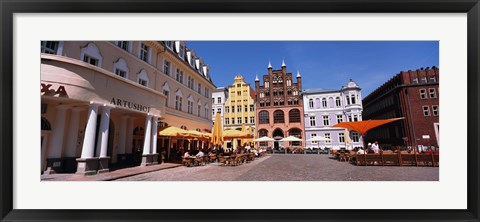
(310,103)
(262,133)
(296,133)
(90,54)
(278,116)
(264,118)
(120,68)
(294,116)
(324,103)
(338,102)
(142,78)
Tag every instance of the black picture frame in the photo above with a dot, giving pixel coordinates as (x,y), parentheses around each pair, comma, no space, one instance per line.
(9,7)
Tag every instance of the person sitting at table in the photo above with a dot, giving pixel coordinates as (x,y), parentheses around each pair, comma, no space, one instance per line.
(186,154)
(360,151)
(200,154)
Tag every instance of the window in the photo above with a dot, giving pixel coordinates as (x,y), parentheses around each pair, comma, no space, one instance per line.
(310,103)
(338,102)
(199,109)
(123,45)
(289,92)
(424,79)
(190,82)
(325,121)
(294,116)
(350,119)
(263,117)
(181,53)
(355,118)
(426,111)
(178,103)
(219,99)
(190,107)
(227,109)
(295,102)
(213,112)
(142,78)
(355,137)
(199,89)
(166,93)
(90,60)
(120,73)
(433,79)
(142,82)
(179,76)
(252,108)
(239,109)
(341,137)
(206,112)
(239,93)
(219,110)
(432,93)
(145,53)
(327,136)
(435,110)
(267,84)
(415,80)
(353,99)
(423,94)
(233,120)
(246,120)
(339,118)
(227,121)
(252,119)
(312,121)
(314,135)
(289,82)
(49,47)
(233,109)
(166,67)
(324,103)
(278,116)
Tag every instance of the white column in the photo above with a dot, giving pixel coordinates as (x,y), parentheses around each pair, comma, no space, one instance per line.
(73,133)
(102,137)
(89,138)
(56,144)
(129,142)
(154,134)
(148,134)
(123,135)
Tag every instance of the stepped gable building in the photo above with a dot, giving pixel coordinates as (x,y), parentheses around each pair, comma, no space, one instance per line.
(413,95)
(325,108)
(279,107)
(104,102)
(239,110)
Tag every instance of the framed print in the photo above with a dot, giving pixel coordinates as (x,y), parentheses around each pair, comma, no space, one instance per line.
(129,109)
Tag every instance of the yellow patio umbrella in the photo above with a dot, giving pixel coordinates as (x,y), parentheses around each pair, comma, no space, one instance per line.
(217,133)
(237,134)
(173,131)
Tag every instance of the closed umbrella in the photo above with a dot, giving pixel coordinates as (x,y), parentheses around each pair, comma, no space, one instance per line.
(348,141)
(319,138)
(217,137)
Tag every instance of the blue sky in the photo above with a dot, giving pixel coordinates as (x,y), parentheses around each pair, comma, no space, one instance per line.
(322,64)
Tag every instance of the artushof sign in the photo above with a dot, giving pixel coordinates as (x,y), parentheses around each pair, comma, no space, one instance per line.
(130,105)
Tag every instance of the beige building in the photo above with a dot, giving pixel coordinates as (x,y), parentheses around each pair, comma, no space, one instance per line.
(104,102)
(239,110)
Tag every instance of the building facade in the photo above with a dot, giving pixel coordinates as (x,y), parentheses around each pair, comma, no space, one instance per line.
(325,108)
(279,107)
(413,95)
(219,97)
(103,102)
(239,109)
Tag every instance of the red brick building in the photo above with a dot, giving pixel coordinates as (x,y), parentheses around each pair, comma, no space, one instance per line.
(279,106)
(413,95)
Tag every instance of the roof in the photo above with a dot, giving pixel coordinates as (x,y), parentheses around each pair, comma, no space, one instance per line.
(252,93)
(312,91)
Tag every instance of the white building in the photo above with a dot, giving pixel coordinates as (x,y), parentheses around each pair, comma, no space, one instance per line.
(325,108)
(219,96)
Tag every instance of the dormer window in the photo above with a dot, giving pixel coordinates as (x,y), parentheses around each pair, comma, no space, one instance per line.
(91,55)
(125,45)
(169,44)
(49,47)
(90,60)
(181,53)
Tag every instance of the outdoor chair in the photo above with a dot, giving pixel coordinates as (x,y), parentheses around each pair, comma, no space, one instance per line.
(212,158)
(222,160)
(188,162)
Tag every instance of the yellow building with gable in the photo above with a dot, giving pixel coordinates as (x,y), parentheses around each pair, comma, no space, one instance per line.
(239,110)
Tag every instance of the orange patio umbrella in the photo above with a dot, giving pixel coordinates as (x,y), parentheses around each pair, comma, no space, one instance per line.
(217,133)
(363,126)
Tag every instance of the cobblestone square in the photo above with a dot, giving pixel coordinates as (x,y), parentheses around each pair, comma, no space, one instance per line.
(291,167)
